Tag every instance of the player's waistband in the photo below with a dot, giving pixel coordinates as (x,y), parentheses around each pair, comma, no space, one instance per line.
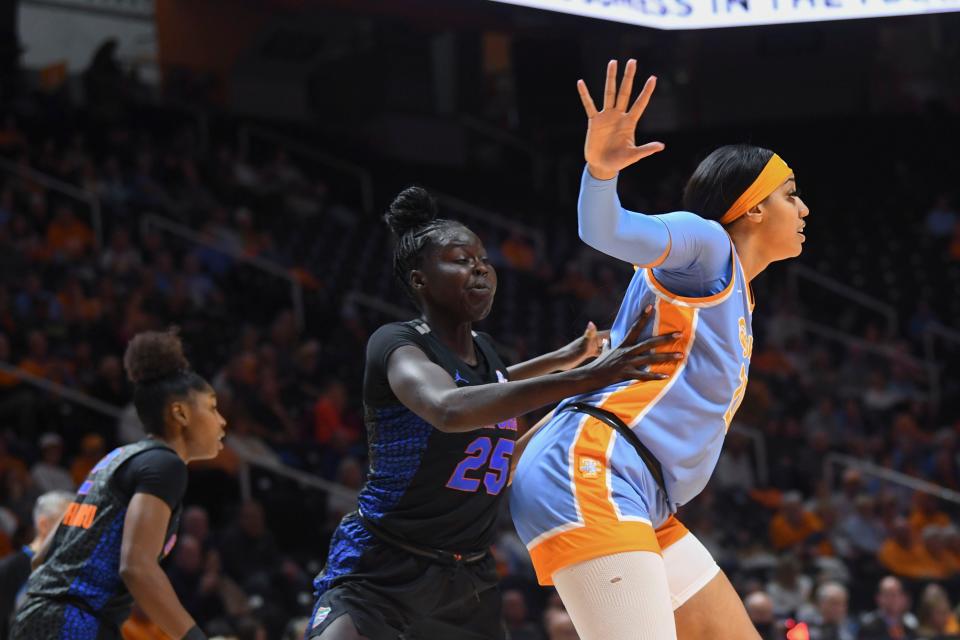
(436,555)
(614,422)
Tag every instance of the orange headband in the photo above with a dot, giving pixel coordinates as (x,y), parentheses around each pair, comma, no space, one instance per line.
(772,176)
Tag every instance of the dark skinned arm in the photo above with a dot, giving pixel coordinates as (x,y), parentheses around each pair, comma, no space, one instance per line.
(540,366)
(566,357)
(429,391)
(144,533)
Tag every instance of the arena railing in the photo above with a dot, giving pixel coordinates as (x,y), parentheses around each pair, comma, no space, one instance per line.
(494,219)
(365,178)
(362,176)
(129,9)
(175,228)
(360,299)
(759,441)
(248,458)
(537,160)
(64,188)
(886,475)
(930,335)
(884,351)
(927,366)
(889,313)
(60,390)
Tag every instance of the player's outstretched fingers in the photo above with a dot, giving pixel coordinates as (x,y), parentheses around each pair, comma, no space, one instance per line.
(642,362)
(656,358)
(641,152)
(588,106)
(610,86)
(647,376)
(656,341)
(626,85)
(634,334)
(640,104)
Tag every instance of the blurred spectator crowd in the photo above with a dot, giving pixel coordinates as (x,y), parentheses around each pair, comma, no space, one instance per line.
(184,226)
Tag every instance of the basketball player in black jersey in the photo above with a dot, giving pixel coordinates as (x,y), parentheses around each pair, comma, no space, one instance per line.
(106,550)
(440,407)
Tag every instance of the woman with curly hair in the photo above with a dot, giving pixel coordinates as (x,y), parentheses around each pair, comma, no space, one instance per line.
(106,551)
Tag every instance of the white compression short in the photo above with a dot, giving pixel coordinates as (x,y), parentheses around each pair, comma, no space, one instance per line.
(689,568)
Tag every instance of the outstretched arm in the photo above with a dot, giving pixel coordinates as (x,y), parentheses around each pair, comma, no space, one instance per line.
(610,147)
(626,235)
(429,391)
(567,357)
(674,241)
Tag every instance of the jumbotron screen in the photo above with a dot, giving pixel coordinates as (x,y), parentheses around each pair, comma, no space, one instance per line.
(707,14)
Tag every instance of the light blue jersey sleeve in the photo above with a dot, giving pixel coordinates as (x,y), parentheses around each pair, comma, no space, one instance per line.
(691,255)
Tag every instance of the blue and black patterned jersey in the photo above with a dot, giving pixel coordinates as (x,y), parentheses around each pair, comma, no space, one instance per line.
(82,568)
(434,489)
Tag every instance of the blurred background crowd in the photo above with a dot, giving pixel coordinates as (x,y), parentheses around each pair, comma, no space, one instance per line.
(835,501)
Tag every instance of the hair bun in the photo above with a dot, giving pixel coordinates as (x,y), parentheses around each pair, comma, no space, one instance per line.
(154,355)
(412,209)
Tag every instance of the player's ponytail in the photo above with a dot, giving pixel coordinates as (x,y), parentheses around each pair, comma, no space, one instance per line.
(412,216)
(160,374)
(721,178)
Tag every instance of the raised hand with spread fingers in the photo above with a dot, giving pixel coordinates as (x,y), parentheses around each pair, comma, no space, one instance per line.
(611,132)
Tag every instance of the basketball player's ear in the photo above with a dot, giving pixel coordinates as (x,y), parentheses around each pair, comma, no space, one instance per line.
(417,280)
(180,414)
(755,214)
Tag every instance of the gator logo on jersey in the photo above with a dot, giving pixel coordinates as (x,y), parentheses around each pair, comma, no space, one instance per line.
(320,616)
(590,468)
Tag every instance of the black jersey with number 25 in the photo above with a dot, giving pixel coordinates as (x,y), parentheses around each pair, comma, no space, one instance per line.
(431,488)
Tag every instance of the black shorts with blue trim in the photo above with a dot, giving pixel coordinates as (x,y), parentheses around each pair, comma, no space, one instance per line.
(392,594)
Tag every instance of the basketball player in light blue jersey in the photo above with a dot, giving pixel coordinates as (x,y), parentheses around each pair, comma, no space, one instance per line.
(594,495)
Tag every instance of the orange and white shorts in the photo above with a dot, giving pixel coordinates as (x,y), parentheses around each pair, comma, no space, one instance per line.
(580,492)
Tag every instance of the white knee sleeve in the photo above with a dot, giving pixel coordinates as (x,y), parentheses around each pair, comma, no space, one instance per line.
(624,596)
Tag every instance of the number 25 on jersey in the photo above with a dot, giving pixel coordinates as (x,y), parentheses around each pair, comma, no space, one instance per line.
(483,453)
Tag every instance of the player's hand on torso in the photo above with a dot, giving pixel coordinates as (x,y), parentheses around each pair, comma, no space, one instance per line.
(630,360)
